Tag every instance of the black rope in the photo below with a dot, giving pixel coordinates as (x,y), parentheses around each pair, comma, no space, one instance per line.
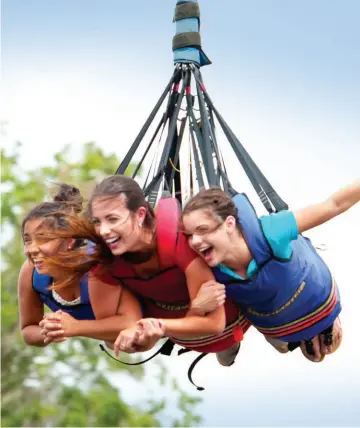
(191,368)
(165,349)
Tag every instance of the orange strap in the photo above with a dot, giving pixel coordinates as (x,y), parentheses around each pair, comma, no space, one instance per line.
(238,333)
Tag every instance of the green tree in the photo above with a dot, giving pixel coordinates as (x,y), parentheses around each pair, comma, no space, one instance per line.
(65,384)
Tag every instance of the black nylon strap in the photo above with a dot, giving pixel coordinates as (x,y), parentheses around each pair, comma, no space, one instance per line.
(183,40)
(262,186)
(309,346)
(155,181)
(207,149)
(165,349)
(187,10)
(293,345)
(176,160)
(128,157)
(267,193)
(161,124)
(199,176)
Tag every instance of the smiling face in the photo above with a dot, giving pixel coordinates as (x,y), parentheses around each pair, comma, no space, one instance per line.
(208,235)
(120,228)
(38,248)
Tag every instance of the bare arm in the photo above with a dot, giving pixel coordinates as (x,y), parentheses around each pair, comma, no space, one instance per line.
(195,324)
(115,310)
(197,273)
(339,202)
(31,308)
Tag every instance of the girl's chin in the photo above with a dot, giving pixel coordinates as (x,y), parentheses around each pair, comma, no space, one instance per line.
(41,270)
(118,250)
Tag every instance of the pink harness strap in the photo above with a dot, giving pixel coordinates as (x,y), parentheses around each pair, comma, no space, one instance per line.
(167,220)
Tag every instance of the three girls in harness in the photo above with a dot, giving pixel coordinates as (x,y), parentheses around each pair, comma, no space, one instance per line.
(270,270)
(133,253)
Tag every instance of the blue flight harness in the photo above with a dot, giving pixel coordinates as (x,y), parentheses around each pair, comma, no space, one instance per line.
(293,299)
(81,311)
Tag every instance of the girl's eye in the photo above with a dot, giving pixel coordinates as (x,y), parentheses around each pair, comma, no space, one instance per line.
(113,219)
(94,221)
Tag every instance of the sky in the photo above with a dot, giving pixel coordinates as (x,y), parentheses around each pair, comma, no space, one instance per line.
(285,76)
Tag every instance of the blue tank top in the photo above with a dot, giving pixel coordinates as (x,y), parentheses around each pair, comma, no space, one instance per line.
(82,311)
(290,299)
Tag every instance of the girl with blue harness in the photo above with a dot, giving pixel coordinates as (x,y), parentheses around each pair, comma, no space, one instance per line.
(37,286)
(281,284)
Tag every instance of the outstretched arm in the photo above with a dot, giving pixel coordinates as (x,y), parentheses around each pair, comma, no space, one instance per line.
(338,203)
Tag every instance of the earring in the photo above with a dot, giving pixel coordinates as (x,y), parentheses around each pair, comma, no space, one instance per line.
(140,224)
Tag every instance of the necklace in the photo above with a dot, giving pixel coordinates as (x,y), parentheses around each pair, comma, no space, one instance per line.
(64,302)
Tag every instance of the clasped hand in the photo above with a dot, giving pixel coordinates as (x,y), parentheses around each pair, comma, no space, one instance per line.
(56,326)
(140,337)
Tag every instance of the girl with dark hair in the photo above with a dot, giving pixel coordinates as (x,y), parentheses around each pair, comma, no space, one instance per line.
(281,284)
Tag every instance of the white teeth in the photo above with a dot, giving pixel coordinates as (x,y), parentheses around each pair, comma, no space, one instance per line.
(111,240)
(202,250)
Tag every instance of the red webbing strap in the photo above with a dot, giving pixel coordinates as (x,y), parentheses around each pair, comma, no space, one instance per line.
(167,220)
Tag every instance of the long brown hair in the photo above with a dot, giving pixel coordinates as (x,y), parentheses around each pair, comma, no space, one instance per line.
(71,266)
(76,263)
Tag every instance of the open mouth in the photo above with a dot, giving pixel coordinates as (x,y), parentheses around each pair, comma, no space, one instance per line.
(206,252)
(112,242)
(38,263)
